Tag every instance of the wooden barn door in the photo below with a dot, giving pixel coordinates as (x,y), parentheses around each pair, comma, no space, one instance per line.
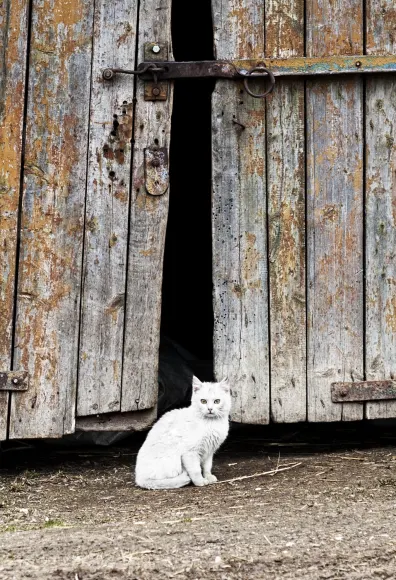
(304,221)
(81,237)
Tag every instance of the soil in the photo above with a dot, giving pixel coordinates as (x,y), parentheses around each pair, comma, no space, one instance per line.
(74,513)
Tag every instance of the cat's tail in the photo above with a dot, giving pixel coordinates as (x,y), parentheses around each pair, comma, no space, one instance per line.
(167,483)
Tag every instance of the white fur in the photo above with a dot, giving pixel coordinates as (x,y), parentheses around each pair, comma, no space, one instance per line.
(180,447)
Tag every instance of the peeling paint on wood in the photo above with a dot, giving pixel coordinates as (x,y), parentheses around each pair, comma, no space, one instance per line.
(147,231)
(52,217)
(108,190)
(13,40)
(239,217)
(286,206)
(334,212)
(381,208)
(334,244)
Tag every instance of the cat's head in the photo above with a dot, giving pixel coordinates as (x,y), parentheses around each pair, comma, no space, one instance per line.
(211,400)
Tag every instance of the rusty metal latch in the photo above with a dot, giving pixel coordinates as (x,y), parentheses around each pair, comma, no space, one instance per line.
(169,70)
(363,391)
(14,381)
(158,69)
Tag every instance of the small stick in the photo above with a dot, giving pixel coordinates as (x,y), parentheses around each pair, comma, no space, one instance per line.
(272,472)
(350,458)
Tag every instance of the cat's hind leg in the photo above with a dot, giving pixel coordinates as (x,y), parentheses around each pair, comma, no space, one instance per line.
(166,483)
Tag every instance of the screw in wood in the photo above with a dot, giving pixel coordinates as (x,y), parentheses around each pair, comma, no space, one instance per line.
(156,91)
(358,63)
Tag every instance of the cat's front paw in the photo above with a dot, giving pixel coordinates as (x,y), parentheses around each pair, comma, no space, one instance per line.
(210,478)
(201,482)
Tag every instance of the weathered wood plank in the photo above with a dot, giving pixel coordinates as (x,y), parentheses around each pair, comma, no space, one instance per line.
(381,208)
(239,217)
(334,212)
(147,230)
(52,217)
(106,232)
(13,39)
(134,421)
(284,24)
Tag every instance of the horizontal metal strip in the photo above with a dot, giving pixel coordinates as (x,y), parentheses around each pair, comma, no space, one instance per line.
(363,391)
(297,66)
(14,380)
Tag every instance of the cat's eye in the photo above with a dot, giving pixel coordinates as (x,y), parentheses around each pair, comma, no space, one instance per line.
(204,401)
(216,401)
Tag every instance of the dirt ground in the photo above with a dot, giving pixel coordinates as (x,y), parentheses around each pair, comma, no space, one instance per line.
(74,513)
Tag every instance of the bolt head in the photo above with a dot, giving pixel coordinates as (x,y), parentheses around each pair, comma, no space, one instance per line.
(156,91)
(108,74)
(156,49)
(15,381)
(358,63)
(156,162)
(343,393)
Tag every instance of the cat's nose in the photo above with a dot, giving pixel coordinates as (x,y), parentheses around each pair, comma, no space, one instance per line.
(210,410)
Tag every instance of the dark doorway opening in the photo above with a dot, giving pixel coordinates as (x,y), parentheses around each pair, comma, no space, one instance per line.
(187,311)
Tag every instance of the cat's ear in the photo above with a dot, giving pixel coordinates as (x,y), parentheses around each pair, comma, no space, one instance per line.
(196,383)
(224,385)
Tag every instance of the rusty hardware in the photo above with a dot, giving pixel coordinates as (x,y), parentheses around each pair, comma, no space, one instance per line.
(164,71)
(363,391)
(154,88)
(157,69)
(14,381)
(262,70)
(156,172)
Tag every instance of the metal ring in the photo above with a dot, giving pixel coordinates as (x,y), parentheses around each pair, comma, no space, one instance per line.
(263,70)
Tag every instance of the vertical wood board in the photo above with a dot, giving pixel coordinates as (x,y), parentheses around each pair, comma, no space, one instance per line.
(52,217)
(147,230)
(240,275)
(381,207)
(334,212)
(13,48)
(286,216)
(106,224)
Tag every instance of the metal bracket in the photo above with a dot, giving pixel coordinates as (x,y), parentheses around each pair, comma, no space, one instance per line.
(154,87)
(14,381)
(363,391)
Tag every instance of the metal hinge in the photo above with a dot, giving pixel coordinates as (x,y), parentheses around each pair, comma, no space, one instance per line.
(14,380)
(363,391)
(157,69)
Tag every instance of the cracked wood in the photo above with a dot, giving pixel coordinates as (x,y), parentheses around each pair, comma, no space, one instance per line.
(381,208)
(334,212)
(52,218)
(239,230)
(286,217)
(13,43)
(147,230)
(108,195)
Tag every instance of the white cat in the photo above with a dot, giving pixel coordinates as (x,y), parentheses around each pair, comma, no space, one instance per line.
(180,447)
